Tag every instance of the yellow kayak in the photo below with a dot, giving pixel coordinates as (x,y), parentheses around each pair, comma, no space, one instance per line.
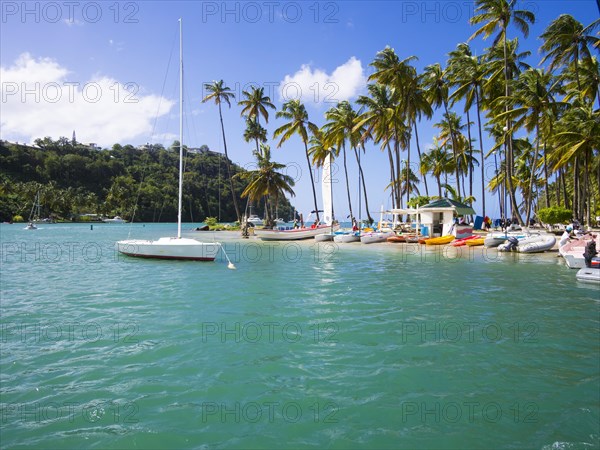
(475,242)
(440,240)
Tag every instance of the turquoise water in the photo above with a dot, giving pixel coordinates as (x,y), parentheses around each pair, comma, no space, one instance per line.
(303,346)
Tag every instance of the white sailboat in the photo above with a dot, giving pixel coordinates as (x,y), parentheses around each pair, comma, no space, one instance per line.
(173,247)
(34,215)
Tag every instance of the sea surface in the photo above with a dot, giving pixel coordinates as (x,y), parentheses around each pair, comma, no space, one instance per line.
(302,346)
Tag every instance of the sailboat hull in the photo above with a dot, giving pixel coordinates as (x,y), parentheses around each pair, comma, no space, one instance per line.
(170,248)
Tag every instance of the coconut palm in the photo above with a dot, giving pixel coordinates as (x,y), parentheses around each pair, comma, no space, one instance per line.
(255,104)
(378,120)
(436,85)
(567,43)
(266,181)
(468,74)
(496,16)
(535,109)
(219,93)
(338,130)
(295,112)
(438,162)
(578,136)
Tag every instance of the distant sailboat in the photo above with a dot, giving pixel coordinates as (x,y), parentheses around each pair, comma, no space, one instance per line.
(34,215)
(173,247)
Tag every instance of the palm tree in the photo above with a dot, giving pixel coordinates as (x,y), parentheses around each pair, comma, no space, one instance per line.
(337,131)
(535,110)
(567,42)
(413,104)
(467,73)
(220,93)
(295,112)
(578,136)
(256,103)
(438,162)
(379,120)
(497,15)
(266,181)
(436,86)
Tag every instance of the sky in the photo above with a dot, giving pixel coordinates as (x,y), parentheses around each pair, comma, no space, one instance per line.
(108,71)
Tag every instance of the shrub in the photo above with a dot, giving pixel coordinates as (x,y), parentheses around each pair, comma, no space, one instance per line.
(18,218)
(555,214)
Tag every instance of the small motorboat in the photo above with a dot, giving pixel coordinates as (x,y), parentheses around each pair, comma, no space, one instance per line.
(115,219)
(588,275)
(442,240)
(536,243)
(30,226)
(572,252)
(495,239)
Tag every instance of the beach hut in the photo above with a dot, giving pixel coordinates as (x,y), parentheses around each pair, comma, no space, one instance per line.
(439,218)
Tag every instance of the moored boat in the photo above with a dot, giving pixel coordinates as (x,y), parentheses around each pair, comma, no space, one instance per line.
(572,252)
(588,275)
(293,234)
(347,237)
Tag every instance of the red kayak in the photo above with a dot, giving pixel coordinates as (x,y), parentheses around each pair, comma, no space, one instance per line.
(396,239)
(463,241)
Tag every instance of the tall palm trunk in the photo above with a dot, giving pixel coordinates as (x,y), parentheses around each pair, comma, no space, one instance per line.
(454,148)
(419,153)
(482,152)
(392,176)
(529,197)
(397,187)
(364,186)
(312,180)
(347,182)
(235,204)
(470,161)
(509,154)
(546,177)
(408,175)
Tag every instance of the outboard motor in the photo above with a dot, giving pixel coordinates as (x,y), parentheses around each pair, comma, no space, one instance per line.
(512,244)
(590,252)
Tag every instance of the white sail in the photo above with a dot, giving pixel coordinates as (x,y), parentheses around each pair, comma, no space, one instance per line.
(326,192)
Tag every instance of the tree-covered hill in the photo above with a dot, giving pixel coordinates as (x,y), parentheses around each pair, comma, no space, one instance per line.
(138,183)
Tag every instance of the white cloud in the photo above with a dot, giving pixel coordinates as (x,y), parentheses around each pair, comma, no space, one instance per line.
(316,87)
(39,99)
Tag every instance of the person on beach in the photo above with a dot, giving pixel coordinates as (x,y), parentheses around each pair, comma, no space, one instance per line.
(566,236)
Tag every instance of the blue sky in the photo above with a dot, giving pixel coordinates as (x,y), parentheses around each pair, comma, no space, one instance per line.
(99,68)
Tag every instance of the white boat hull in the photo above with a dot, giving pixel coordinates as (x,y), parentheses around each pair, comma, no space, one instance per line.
(293,234)
(345,238)
(324,237)
(588,275)
(537,244)
(170,248)
(375,237)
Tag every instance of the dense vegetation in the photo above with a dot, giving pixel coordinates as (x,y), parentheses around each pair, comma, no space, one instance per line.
(542,124)
(74,179)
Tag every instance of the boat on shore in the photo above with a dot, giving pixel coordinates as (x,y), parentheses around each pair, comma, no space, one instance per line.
(572,252)
(293,234)
(535,243)
(442,240)
(475,242)
(463,241)
(374,237)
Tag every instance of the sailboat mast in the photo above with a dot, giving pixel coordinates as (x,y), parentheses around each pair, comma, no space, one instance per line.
(180,131)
